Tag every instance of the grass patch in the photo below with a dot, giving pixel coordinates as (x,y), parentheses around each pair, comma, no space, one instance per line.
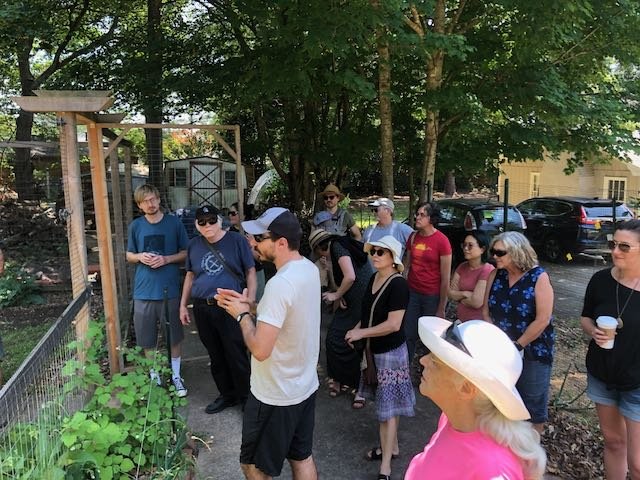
(18,343)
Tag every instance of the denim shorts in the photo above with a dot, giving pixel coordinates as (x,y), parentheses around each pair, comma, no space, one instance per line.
(533,386)
(628,401)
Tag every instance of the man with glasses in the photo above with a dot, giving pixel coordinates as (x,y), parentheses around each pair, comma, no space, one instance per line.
(383,210)
(219,259)
(284,340)
(334,219)
(157,244)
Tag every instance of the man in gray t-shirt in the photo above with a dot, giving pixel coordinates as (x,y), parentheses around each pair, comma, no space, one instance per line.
(383,209)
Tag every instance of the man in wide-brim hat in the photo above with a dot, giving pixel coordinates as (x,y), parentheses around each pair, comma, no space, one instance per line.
(334,219)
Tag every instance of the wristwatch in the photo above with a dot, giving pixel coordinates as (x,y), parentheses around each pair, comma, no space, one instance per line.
(515,342)
(241,316)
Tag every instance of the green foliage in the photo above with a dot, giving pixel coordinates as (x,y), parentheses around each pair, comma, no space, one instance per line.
(18,288)
(128,427)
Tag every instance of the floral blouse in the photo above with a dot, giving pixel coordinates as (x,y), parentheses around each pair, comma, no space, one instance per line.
(514,309)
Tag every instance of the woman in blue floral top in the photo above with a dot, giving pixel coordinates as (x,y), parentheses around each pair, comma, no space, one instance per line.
(520,302)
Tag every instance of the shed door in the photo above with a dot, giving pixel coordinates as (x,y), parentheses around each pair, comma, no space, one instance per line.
(206,183)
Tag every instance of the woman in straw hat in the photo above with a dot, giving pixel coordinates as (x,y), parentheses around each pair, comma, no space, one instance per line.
(383,308)
(351,272)
(471,374)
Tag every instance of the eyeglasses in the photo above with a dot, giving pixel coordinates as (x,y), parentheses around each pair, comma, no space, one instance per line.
(204,221)
(452,335)
(468,246)
(377,251)
(329,197)
(498,253)
(623,247)
(420,214)
(233,214)
(260,237)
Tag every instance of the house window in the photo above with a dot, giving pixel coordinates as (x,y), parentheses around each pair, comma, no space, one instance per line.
(534,184)
(229,179)
(177,177)
(615,188)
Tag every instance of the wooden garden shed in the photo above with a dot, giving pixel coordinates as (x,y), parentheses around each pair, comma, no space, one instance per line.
(201,180)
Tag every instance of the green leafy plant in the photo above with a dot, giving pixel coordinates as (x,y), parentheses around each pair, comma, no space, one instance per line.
(17,288)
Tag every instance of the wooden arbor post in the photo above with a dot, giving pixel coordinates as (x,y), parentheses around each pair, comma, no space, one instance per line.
(67,104)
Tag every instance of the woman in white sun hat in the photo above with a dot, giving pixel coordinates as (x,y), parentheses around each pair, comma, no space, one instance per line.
(482,434)
(383,306)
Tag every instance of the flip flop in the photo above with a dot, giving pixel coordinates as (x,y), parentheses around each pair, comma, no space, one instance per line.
(376,454)
(334,389)
(358,403)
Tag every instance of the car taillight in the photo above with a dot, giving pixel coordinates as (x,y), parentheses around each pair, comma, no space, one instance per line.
(470,222)
(584,219)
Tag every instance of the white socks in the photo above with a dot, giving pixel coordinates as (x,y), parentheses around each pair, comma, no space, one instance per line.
(175,367)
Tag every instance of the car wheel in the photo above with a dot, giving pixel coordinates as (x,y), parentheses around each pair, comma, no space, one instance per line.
(553,250)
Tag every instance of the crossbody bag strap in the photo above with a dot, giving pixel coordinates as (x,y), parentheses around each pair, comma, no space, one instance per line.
(375,301)
(218,255)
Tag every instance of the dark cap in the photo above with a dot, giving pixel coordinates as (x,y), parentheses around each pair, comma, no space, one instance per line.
(207,211)
(277,220)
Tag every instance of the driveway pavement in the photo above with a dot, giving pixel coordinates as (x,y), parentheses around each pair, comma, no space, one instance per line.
(342,435)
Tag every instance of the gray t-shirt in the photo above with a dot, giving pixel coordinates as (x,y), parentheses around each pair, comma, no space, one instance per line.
(399,231)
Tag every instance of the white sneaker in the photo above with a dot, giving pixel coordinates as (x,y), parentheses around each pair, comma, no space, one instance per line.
(181,390)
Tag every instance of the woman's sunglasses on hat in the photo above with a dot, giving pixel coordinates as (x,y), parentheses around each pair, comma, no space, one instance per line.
(452,336)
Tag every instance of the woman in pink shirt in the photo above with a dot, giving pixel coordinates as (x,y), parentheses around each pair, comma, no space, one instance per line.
(482,434)
(469,281)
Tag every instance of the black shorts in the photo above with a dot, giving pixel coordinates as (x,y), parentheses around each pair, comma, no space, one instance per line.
(271,433)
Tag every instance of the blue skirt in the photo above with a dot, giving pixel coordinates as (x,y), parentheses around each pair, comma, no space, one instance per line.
(394,395)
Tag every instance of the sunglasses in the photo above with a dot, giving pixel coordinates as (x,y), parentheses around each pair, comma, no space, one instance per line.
(329,197)
(498,253)
(377,251)
(374,210)
(468,246)
(623,247)
(323,245)
(211,221)
(233,214)
(452,335)
(260,237)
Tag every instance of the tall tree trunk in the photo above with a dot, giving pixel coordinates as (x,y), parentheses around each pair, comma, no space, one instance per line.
(450,184)
(384,96)
(434,81)
(22,166)
(152,93)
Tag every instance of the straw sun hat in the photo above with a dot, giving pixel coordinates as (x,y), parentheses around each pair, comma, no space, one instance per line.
(493,364)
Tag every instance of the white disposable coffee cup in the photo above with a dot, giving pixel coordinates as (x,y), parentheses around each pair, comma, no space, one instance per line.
(608,325)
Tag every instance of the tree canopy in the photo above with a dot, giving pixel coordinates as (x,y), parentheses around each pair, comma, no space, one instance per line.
(469,83)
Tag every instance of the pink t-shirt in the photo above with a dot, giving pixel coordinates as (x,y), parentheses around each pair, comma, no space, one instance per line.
(424,271)
(453,455)
(467,283)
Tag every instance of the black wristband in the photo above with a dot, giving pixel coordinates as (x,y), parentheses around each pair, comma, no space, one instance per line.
(242,315)
(518,346)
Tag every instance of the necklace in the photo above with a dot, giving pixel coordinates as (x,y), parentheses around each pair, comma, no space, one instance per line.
(620,312)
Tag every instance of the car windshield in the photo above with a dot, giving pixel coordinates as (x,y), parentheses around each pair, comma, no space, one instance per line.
(494,215)
(605,211)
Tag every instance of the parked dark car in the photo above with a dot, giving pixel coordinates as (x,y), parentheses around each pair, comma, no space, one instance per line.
(558,226)
(459,215)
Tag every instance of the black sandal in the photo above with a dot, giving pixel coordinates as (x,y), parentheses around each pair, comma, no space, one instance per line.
(376,454)
(382,476)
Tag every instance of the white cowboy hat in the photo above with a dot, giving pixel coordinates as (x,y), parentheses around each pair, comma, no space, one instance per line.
(390,243)
(491,362)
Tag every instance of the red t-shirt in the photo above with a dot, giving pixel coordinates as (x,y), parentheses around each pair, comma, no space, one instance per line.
(467,281)
(424,271)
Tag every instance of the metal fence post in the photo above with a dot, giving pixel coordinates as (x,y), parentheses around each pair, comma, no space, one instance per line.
(505,209)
